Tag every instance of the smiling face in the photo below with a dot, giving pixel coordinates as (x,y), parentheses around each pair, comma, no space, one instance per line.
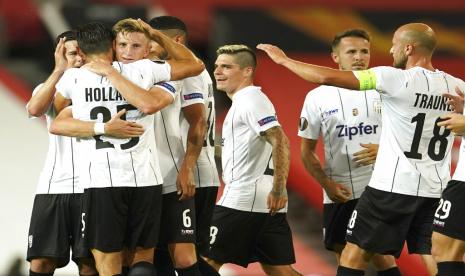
(131,46)
(229,76)
(352,53)
(72,55)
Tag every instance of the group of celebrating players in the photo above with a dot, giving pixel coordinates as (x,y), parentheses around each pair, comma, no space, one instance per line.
(130,182)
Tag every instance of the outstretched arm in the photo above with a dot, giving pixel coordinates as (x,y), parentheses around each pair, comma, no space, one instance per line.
(277,198)
(310,72)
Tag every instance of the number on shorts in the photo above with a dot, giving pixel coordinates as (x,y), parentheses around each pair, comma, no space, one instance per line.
(186,220)
(213,233)
(352,219)
(444,206)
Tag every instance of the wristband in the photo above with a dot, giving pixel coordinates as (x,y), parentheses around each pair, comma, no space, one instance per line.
(99,128)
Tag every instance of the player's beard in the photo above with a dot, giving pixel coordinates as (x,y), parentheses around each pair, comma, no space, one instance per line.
(401,62)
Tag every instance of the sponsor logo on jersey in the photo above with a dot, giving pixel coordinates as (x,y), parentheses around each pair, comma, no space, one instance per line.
(168,86)
(267,120)
(350,131)
(303,123)
(29,240)
(193,96)
(355,112)
(331,112)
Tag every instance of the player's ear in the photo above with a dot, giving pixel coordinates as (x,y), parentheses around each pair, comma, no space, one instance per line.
(335,57)
(248,72)
(408,49)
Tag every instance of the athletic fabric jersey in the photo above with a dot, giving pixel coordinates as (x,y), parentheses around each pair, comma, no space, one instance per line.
(112,162)
(171,129)
(59,174)
(414,154)
(246,155)
(344,118)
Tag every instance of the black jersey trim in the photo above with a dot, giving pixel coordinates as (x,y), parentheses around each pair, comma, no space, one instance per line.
(327,133)
(133,170)
(440,180)
(109,170)
(233,142)
(254,196)
(394,176)
(342,105)
(447,83)
(168,141)
(153,170)
(419,180)
(426,78)
(72,160)
(366,104)
(54,164)
(350,173)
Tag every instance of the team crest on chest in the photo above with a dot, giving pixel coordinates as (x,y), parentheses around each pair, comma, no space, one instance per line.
(354,112)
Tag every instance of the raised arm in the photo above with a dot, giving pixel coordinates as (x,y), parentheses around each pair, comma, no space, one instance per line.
(183,62)
(195,116)
(65,125)
(277,198)
(43,98)
(335,191)
(310,72)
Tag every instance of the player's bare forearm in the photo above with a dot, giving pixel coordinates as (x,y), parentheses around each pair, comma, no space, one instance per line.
(312,162)
(40,101)
(281,157)
(195,116)
(68,126)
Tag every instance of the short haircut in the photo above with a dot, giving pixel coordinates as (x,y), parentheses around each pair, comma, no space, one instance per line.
(94,38)
(69,35)
(349,33)
(244,55)
(128,25)
(168,22)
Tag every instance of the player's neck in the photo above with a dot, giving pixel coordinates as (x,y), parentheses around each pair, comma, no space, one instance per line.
(240,87)
(100,57)
(420,61)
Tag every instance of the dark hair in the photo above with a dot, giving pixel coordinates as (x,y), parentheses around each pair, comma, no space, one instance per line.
(94,38)
(69,35)
(167,22)
(349,33)
(244,55)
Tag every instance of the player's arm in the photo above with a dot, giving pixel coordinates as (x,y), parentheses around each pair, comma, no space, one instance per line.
(456,101)
(43,98)
(65,125)
(313,73)
(147,101)
(183,62)
(336,191)
(277,198)
(195,116)
(367,155)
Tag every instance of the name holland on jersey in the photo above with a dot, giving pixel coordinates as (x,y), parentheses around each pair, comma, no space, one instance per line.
(428,101)
(105,94)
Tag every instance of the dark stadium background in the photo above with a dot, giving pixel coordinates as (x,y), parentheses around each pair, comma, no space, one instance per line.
(304,28)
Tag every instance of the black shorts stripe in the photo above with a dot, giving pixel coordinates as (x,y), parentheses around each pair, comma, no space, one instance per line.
(168,141)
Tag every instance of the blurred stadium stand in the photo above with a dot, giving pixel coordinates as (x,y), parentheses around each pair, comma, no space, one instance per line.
(303,28)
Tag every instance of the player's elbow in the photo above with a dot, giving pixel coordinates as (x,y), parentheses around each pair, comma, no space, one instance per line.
(187,69)
(55,128)
(34,111)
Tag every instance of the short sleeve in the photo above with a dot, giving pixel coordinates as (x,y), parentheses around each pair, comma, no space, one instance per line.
(389,80)
(170,87)
(193,91)
(63,85)
(158,70)
(261,115)
(310,118)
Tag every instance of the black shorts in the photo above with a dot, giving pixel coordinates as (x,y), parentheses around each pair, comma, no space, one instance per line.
(178,220)
(205,199)
(383,221)
(118,217)
(55,228)
(449,218)
(241,238)
(335,219)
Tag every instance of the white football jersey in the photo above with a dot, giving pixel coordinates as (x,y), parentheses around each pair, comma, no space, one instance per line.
(59,174)
(344,118)
(112,162)
(246,155)
(414,154)
(171,129)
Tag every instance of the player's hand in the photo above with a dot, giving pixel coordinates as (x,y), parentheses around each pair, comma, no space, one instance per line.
(61,64)
(153,33)
(337,192)
(455,101)
(119,128)
(276,200)
(366,156)
(274,52)
(99,67)
(455,122)
(185,183)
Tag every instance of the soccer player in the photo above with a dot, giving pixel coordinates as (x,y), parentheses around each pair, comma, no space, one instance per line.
(448,226)
(185,140)
(413,163)
(350,123)
(58,196)
(249,221)
(121,176)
